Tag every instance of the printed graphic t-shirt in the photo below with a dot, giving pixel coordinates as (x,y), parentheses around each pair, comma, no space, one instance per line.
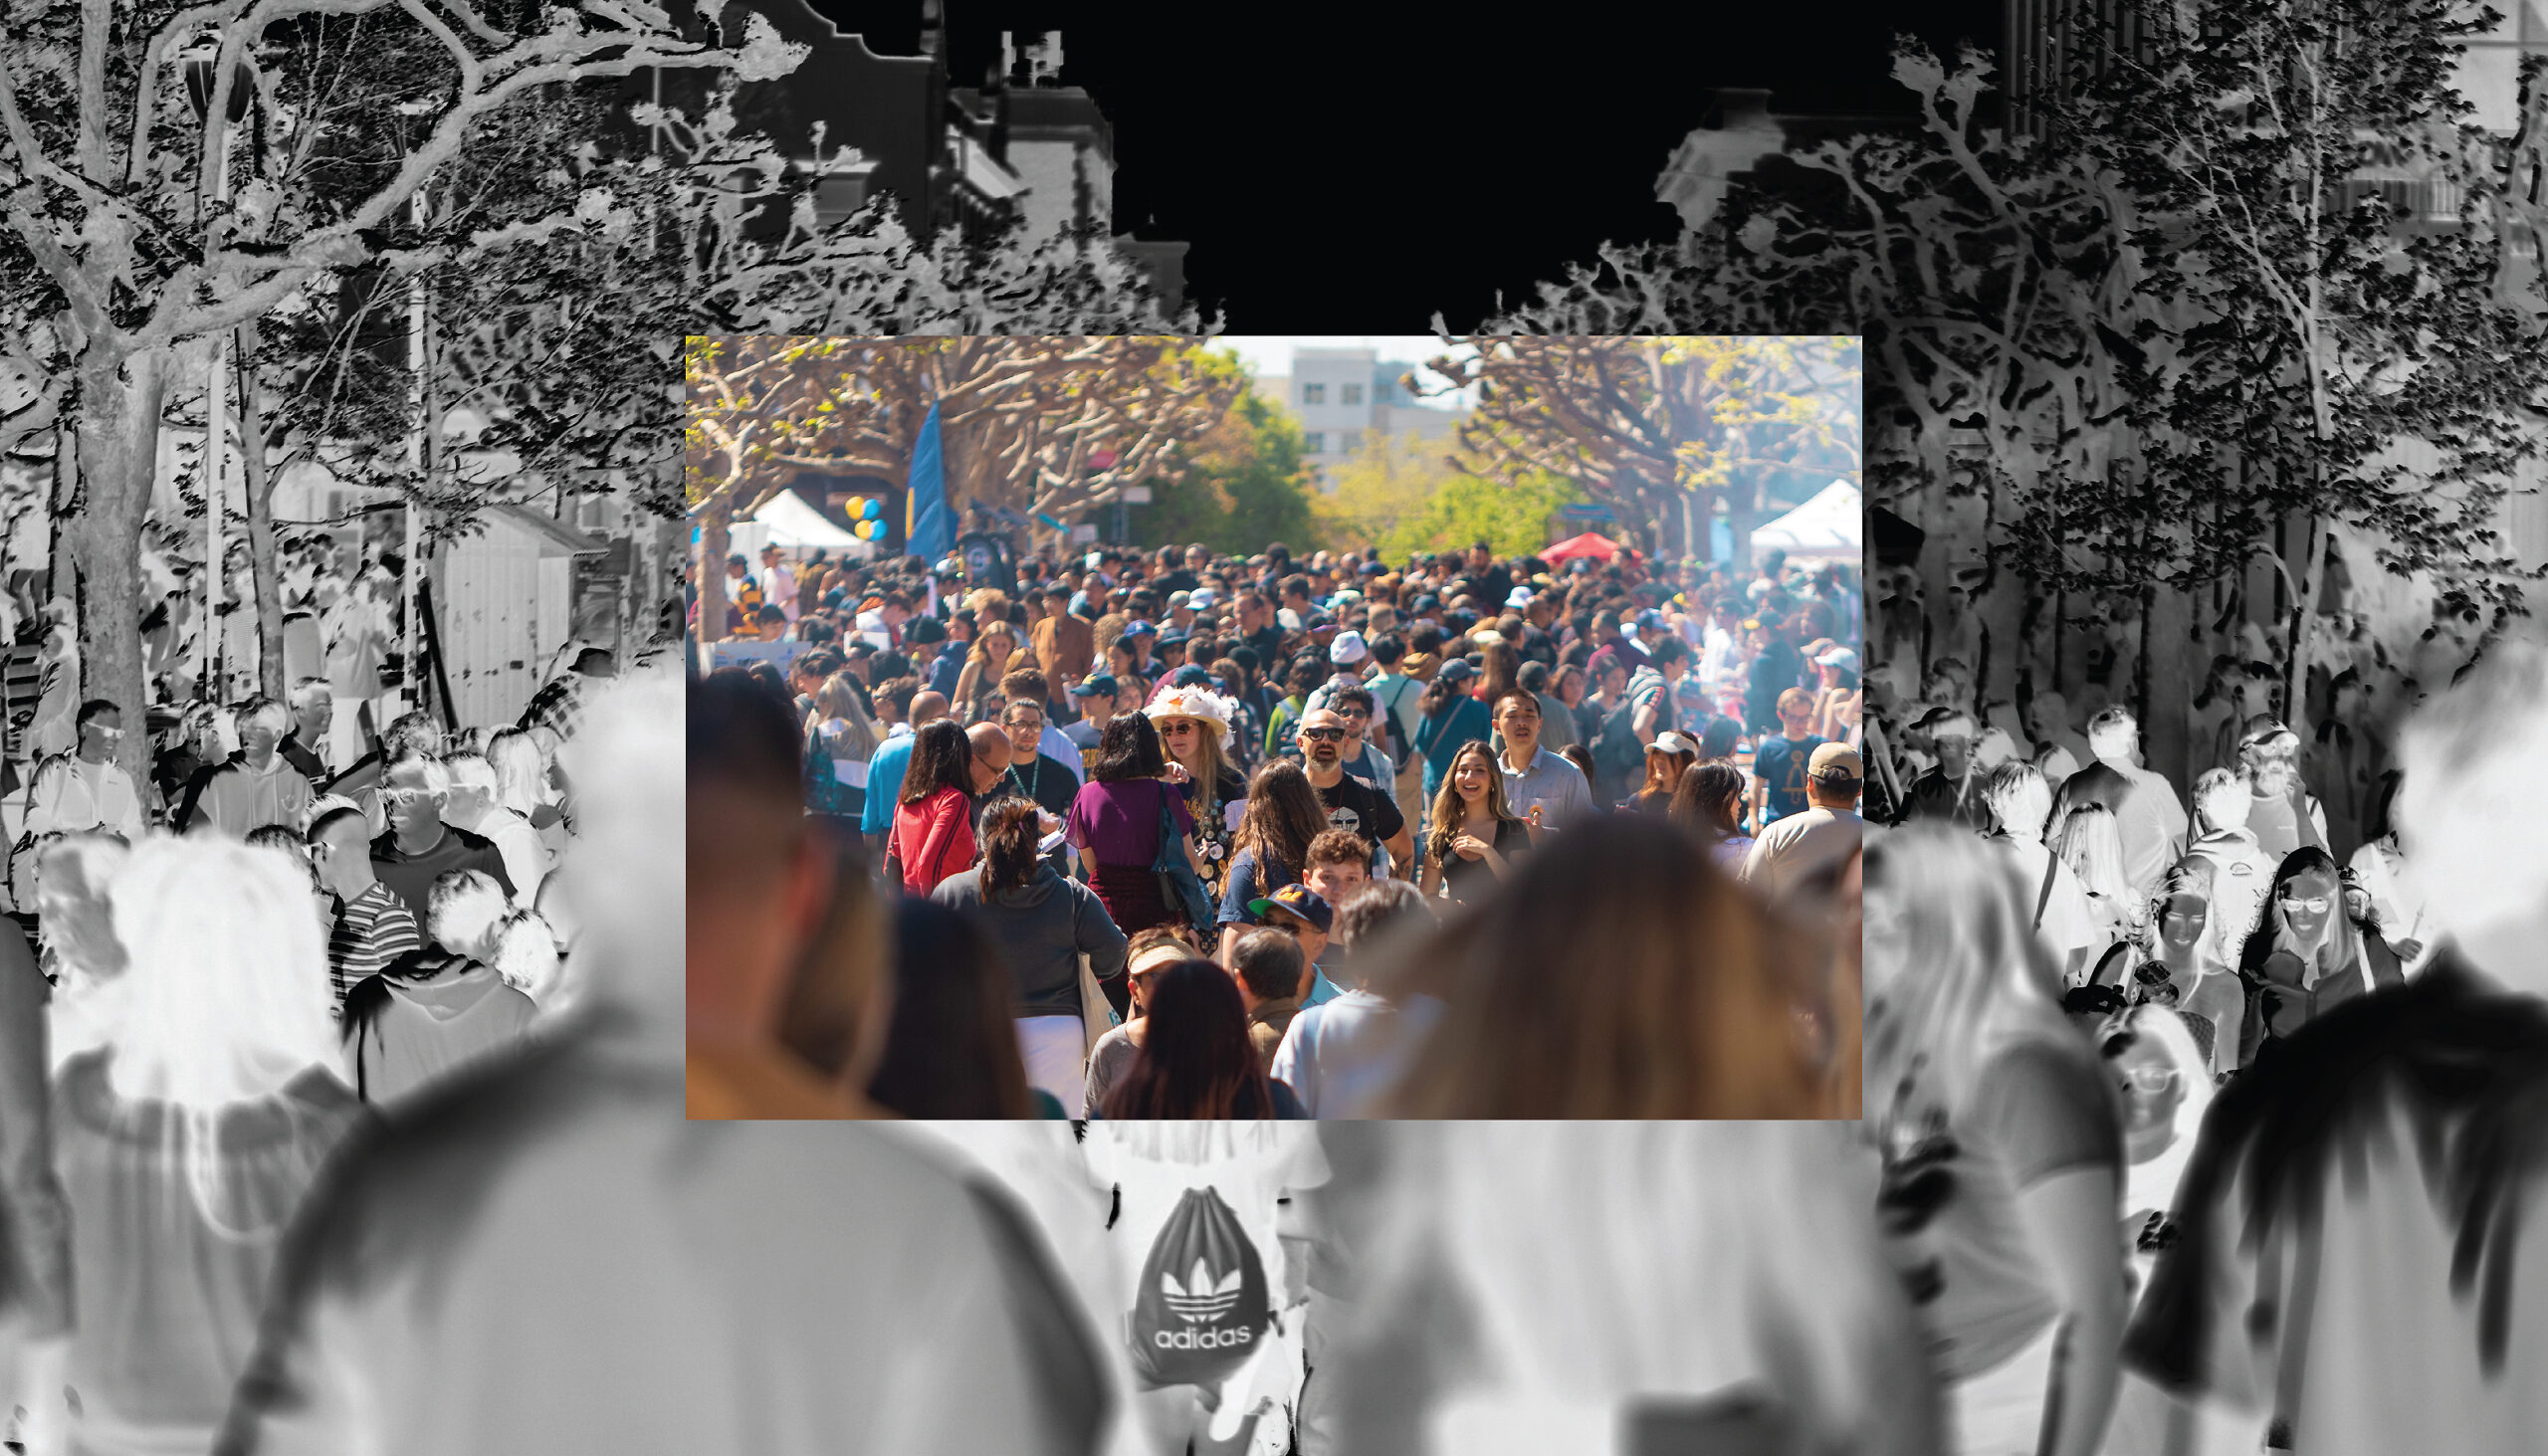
(1249,1164)
(1780,765)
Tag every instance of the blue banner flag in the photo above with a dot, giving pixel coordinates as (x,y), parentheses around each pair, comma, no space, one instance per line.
(928,528)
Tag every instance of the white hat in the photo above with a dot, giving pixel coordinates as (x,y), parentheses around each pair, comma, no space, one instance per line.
(1196,704)
(1672,742)
(1519,597)
(1348,647)
(1838,657)
(1199,598)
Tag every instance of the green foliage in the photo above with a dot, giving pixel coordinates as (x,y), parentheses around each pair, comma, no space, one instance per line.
(1242,486)
(1519,515)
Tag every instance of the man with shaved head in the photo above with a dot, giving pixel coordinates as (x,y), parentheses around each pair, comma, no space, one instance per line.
(1364,808)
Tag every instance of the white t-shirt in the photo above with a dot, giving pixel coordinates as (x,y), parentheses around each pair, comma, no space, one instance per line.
(1338,1056)
(1798,845)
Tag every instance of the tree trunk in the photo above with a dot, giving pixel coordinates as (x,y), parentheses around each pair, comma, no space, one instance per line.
(263,569)
(119,459)
(2312,577)
(713,547)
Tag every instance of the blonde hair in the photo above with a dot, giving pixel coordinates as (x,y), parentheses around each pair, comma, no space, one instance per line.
(837,698)
(1955,972)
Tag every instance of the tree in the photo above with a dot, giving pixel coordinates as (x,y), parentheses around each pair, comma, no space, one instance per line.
(135,228)
(1039,425)
(1238,486)
(1514,515)
(1377,490)
(2184,321)
(1664,431)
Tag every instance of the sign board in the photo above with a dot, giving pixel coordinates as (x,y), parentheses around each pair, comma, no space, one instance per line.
(1086,531)
(744,654)
(1584,512)
(1136,495)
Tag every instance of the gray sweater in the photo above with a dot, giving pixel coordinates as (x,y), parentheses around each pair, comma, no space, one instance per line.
(1041,931)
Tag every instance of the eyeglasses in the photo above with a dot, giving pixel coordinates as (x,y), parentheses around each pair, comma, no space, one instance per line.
(2315,905)
(401,797)
(1323,735)
(104,732)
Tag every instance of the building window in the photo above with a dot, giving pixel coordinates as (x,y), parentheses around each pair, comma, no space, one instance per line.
(1313,394)
(1315,442)
(1353,395)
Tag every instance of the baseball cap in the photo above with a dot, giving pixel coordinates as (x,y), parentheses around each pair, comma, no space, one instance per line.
(1173,636)
(1301,901)
(1456,670)
(1425,602)
(1091,687)
(1199,598)
(1177,599)
(1374,568)
(1838,657)
(1140,628)
(1650,618)
(1837,764)
(1520,596)
(1348,647)
(925,629)
(1672,742)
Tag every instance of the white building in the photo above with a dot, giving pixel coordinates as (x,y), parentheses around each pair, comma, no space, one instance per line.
(1340,393)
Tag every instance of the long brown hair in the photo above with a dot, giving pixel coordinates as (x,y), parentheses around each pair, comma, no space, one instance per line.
(952,1049)
(1449,809)
(1705,799)
(1283,816)
(1009,832)
(1196,1059)
(1690,1010)
(1502,672)
(1656,795)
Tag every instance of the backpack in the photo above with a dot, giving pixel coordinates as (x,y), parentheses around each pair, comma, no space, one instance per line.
(1203,1303)
(824,792)
(1401,752)
(1618,758)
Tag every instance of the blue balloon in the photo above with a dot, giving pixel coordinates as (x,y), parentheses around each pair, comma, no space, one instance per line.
(874,510)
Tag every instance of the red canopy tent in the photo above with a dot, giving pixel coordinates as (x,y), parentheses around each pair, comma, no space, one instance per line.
(1591,543)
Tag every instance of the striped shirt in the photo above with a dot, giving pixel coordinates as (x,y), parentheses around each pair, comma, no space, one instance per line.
(373,930)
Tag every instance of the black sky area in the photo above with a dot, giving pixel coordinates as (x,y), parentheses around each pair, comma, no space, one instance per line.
(1358,168)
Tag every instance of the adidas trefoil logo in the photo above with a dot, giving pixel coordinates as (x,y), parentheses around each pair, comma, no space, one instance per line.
(1202,1298)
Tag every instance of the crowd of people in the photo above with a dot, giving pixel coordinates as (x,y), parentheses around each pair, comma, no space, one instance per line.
(1214,827)
(216,977)
(2190,1116)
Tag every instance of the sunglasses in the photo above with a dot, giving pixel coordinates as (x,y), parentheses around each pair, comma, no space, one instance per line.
(104,732)
(404,797)
(1323,735)
(1173,729)
(2315,905)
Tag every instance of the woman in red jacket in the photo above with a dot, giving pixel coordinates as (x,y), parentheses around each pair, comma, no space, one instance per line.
(933,833)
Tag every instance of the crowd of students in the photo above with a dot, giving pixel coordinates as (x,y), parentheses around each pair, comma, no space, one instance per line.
(214,981)
(1129,765)
(2190,1121)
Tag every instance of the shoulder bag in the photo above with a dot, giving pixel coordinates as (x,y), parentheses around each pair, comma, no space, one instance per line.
(1179,885)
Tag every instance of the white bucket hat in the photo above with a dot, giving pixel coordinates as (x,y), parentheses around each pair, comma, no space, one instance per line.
(1195,704)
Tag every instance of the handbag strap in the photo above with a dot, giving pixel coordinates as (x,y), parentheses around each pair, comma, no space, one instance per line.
(2043,896)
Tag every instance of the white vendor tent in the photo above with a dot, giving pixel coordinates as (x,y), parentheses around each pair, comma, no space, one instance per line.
(1830,527)
(794,523)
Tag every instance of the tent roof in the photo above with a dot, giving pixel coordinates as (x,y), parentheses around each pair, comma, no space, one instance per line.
(793,523)
(1591,544)
(1833,520)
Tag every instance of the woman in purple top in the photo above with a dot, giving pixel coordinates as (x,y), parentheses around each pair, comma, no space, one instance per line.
(1114,823)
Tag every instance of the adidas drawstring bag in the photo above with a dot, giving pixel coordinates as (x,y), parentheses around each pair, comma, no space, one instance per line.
(1203,1304)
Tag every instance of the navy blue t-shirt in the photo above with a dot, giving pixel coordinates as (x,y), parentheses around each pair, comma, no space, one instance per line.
(1780,764)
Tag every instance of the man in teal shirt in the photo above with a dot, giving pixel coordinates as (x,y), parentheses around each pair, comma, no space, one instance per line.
(884,771)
